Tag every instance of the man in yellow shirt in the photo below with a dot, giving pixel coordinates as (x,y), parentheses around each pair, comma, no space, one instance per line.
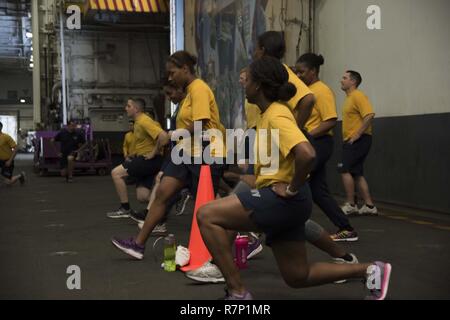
(358,115)
(8,151)
(150,138)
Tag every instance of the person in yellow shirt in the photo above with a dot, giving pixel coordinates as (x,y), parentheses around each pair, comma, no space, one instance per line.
(175,95)
(149,139)
(320,128)
(281,204)
(129,142)
(272,44)
(358,115)
(8,152)
(199,107)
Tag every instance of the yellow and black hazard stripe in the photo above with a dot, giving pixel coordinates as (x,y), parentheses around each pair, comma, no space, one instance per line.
(136,6)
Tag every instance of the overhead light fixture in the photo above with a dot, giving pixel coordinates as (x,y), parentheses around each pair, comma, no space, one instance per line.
(31,48)
(32,65)
(22,101)
(31,58)
(29,35)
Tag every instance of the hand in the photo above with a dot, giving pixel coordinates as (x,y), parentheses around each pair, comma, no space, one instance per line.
(280,190)
(354,138)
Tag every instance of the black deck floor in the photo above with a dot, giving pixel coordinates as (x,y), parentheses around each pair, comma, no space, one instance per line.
(47,217)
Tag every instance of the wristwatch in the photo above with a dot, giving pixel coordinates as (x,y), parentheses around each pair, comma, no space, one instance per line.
(291,193)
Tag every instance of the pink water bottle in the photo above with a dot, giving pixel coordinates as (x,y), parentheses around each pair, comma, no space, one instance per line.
(241,247)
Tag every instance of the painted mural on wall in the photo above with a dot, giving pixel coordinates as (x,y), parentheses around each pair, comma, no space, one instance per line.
(225,36)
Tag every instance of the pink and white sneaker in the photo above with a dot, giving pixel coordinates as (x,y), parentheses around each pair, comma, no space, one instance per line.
(378,277)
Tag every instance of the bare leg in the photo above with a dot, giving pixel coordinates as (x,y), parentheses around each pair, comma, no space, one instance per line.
(12,181)
(167,189)
(143,194)
(297,273)
(70,166)
(363,188)
(349,186)
(214,220)
(329,246)
(117,175)
(155,188)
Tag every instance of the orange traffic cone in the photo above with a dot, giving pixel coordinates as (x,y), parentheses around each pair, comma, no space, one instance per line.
(205,193)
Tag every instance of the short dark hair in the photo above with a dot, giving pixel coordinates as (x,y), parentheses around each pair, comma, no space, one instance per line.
(355,76)
(140,103)
(312,61)
(184,58)
(1,125)
(273,77)
(273,43)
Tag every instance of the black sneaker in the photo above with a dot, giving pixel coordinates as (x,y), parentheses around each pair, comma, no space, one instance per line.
(345,236)
(22,178)
(139,216)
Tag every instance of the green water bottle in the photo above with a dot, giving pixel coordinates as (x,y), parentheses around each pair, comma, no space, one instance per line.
(170,249)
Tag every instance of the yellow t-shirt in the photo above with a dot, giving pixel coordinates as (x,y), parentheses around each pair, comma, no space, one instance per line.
(146,132)
(325,107)
(277,116)
(129,147)
(302,89)
(356,107)
(252,113)
(6,145)
(200,104)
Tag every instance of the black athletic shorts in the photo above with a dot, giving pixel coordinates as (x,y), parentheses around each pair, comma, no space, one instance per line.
(6,172)
(142,168)
(280,219)
(354,156)
(190,174)
(63,162)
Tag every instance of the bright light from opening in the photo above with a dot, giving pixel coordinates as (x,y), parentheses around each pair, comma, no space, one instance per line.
(31,65)
(29,35)
(31,48)
(22,101)
(31,58)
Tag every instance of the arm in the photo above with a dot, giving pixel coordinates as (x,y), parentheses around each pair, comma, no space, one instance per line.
(162,140)
(304,109)
(250,180)
(125,149)
(366,124)
(52,142)
(323,128)
(304,163)
(13,156)
(190,129)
